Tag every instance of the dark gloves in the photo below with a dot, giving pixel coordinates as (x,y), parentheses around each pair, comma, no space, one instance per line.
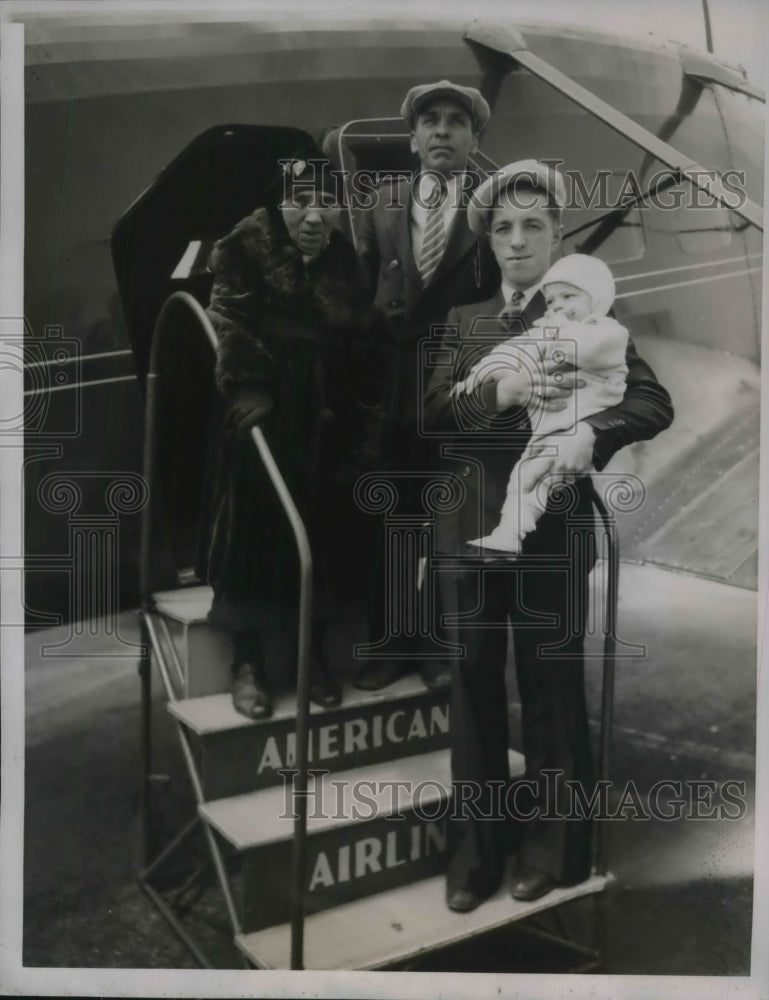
(248,407)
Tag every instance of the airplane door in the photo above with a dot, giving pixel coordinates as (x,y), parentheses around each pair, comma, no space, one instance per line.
(161,242)
(161,245)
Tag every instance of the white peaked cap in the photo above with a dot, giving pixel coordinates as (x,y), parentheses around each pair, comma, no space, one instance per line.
(589,274)
(532,173)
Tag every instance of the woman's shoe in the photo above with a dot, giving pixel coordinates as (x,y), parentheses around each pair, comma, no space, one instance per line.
(250,697)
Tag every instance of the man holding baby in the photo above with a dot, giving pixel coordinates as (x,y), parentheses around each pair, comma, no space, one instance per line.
(522,405)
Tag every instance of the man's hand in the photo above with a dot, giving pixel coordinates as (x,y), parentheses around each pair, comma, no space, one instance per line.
(248,408)
(551,389)
(573,458)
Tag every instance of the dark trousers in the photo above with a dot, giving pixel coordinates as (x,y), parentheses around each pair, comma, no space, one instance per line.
(404,619)
(545,609)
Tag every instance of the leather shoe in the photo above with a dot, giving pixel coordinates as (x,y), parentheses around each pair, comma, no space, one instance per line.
(461,900)
(436,674)
(531,884)
(250,697)
(324,689)
(376,674)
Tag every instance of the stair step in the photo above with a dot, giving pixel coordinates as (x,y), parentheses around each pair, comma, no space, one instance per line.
(366,833)
(261,817)
(264,816)
(204,653)
(395,925)
(187,605)
(214,713)
(237,755)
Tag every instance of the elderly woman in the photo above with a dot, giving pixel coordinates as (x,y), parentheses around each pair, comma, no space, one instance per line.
(296,354)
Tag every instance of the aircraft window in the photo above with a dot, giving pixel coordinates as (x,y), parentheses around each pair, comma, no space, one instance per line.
(626,242)
(743,119)
(367,151)
(621,237)
(696,228)
(705,229)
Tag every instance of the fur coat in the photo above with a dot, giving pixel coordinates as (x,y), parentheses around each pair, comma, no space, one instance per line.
(305,336)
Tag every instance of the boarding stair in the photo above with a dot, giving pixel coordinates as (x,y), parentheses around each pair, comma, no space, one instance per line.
(374,887)
(326,828)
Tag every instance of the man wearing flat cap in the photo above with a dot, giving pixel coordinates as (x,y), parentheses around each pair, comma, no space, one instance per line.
(485,432)
(421,258)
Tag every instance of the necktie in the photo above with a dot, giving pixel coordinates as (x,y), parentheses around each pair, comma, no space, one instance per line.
(511,313)
(434,238)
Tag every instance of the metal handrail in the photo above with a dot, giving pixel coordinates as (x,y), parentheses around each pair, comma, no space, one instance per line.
(183,302)
(299,848)
(609,660)
(179,302)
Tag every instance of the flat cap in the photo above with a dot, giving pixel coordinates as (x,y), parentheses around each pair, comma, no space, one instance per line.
(470,98)
(528,173)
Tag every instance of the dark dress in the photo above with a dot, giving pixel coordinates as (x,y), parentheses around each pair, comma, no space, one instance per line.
(303,335)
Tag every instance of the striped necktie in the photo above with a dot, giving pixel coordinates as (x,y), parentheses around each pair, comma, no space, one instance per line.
(511,313)
(434,237)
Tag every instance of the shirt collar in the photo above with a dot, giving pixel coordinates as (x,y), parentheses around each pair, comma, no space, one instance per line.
(427,182)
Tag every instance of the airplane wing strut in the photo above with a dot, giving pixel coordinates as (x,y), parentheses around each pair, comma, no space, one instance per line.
(509,42)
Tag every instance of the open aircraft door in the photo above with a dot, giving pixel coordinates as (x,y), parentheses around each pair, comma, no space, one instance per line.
(161,245)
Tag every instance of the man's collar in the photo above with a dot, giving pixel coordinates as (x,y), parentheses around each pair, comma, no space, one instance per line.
(426,181)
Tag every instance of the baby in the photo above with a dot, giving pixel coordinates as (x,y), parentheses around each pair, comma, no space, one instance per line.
(575,331)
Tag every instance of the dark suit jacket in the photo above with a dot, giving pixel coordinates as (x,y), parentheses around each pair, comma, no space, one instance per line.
(467,272)
(481,446)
